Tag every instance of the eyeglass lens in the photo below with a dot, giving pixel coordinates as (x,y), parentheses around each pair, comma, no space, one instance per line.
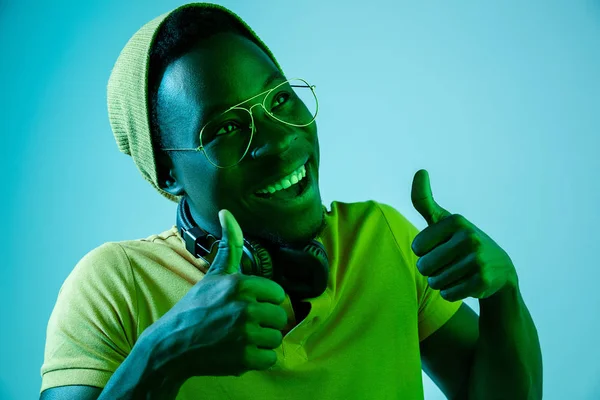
(226,137)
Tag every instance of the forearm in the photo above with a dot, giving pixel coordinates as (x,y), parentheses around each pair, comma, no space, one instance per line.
(139,377)
(508,360)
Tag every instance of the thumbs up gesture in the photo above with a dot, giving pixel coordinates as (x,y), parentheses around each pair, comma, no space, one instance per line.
(458,258)
(228,323)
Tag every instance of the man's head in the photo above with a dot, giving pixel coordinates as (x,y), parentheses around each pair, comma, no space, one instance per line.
(201,63)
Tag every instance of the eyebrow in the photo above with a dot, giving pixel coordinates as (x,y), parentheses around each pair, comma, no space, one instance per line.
(219,107)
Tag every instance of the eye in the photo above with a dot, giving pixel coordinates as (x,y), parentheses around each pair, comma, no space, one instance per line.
(226,128)
(280,99)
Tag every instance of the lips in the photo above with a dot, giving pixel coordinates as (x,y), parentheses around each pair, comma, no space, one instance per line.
(293,191)
(290,204)
(275,177)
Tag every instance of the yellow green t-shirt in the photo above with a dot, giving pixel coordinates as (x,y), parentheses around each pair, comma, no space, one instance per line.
(360,339)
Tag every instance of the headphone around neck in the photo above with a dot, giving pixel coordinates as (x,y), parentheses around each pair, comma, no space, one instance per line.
(302,272)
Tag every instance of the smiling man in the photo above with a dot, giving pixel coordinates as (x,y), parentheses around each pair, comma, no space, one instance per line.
(259,291)
(217,74)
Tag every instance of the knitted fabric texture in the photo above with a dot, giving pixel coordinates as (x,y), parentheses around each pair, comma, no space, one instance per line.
(128,97)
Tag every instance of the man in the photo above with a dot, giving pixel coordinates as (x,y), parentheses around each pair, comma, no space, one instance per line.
(260,291)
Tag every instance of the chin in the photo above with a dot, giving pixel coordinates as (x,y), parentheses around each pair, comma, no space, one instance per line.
(298,237)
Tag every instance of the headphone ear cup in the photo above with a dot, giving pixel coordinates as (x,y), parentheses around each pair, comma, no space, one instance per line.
(321,272)
(318,251)
(303,273)
(256,260)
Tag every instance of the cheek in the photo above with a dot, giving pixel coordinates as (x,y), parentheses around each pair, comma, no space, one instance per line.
(314,139)
(228,186)
(197,178)
(312,130)
(310,133)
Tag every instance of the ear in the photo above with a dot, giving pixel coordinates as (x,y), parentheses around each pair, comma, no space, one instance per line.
(167,177)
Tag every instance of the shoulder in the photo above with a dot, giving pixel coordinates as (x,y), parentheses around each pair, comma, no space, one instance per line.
(372,219)
(112,261)
(357,210)
(106,259)
(361,211)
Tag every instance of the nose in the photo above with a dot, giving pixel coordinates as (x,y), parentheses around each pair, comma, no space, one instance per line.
(270,136)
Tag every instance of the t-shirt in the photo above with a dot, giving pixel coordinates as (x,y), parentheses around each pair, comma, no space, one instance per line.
(360,339)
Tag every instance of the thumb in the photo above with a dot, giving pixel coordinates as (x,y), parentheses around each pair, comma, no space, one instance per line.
(229,255)
(422,199)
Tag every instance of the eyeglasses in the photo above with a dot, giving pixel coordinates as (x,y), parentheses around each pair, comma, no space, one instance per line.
(226,138)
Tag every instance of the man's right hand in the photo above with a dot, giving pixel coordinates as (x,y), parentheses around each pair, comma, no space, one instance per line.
(227,324)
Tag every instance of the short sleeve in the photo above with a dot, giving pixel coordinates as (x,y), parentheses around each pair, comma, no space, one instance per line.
(434,311)
(93,326)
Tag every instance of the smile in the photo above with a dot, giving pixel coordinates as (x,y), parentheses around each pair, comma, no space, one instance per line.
(286,182)
(294,189)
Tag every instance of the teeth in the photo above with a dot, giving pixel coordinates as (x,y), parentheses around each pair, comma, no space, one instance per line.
(286,182)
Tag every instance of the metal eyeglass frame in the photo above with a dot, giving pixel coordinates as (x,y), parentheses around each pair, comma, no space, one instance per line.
(249,110)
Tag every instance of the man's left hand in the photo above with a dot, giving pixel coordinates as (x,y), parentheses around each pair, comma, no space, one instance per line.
(458,258)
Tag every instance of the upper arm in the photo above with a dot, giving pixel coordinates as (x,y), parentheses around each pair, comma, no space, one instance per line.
(71,393)
(447,354)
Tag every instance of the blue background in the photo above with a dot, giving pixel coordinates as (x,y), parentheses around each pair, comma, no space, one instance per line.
(499,101)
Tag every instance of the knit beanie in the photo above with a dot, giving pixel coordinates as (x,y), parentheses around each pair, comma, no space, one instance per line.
(128,96)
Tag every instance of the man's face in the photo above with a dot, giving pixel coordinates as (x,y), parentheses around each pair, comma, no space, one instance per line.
(221,72)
